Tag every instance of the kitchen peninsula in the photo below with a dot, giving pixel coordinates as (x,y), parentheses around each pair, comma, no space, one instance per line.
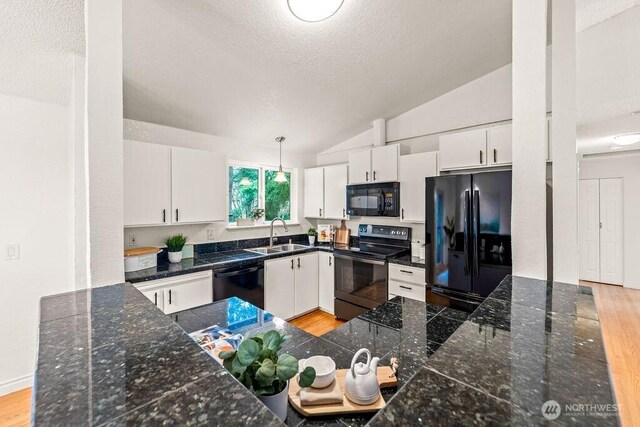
(108,355)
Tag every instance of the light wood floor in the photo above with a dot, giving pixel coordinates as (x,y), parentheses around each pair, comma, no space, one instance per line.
(618,309)
(15,408)
(317,322)
(619,312)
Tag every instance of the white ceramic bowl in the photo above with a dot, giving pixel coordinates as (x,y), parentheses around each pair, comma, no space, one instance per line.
(325,370)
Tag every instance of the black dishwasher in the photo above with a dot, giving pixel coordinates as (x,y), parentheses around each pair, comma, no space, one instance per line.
(245,282)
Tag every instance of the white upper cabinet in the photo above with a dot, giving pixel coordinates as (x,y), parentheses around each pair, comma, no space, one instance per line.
(335,191)
(462,150)
(378,164)
(314,193)
(414,169)
(325,192)
(499,144)
(197,186)
(360,167)
(147,183)
(384,163)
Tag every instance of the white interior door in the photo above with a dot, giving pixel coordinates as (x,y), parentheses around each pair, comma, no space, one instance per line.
(611,233)
(589,226)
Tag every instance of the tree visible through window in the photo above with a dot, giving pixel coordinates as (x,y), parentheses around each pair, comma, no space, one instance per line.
(277,196)
(244,184)
(251,188)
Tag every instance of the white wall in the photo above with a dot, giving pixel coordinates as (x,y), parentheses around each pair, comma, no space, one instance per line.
(234,150)
(103,136)
(36,213)
(627,167)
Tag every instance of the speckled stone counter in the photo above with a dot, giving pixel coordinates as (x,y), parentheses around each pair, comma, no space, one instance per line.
(410,261)
(110,356)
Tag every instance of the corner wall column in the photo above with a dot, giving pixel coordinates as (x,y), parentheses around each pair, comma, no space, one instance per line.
(529,225)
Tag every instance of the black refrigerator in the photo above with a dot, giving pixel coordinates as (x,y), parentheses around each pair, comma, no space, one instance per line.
(468,232)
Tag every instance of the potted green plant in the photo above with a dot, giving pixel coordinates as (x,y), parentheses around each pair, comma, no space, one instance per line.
(174,247)
(258,366)
(312,233)
(257,214)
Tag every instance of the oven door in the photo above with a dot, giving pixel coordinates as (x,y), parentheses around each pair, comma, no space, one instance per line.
(360,281)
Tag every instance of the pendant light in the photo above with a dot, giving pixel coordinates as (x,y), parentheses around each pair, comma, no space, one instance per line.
(280,176)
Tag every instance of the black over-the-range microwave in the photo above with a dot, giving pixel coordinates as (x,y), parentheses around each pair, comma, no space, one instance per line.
(374,199)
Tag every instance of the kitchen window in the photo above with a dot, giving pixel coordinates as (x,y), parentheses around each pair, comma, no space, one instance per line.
(254,187)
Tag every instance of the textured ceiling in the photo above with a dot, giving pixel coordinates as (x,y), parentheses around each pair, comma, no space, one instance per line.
(592,12)
(251,70)
(36,40)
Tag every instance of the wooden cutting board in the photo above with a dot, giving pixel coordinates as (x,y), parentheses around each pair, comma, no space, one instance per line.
(342,234)
(141,251)
(386,379)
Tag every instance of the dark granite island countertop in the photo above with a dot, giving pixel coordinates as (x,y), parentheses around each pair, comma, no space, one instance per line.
(109,356)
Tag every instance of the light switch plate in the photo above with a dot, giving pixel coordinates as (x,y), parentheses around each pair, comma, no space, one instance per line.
(133,240)
(13,252)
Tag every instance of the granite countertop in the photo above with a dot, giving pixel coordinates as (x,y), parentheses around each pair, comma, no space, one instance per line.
(410,261)
(210,261)
(108,355)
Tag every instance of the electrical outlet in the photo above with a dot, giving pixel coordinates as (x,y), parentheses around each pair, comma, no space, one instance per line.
(211,233)
(133,240)
(13,252)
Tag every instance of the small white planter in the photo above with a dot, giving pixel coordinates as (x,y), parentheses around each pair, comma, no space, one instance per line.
(175,256)
(245,222)
(312,240)
(277,403)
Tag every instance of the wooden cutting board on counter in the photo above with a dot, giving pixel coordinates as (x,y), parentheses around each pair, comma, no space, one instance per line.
(386,379)
(141,251)
(342,234)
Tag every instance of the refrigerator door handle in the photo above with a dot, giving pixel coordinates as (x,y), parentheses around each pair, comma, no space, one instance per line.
(467,196)
(476,231)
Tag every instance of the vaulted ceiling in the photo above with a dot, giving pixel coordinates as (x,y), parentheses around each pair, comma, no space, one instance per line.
(251,70)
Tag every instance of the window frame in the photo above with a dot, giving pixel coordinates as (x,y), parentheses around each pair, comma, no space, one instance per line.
(293,191)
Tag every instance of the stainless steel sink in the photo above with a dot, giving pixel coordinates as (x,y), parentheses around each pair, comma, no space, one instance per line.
(264,251)
(290,247)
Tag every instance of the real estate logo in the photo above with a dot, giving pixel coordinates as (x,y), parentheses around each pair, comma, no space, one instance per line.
(551,409)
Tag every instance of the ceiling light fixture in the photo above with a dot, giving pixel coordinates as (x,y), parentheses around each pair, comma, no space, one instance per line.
(314,10)
(280,176)
(627,139)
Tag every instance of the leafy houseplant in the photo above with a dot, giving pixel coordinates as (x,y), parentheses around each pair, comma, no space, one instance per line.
(450,230)
(257,214)
(312,233)
(174,246)
(257,365)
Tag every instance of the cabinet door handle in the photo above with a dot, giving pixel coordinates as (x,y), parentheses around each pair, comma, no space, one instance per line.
(402,214)
(344,213)
(164,215)
(292,263)
(298,263)
(176,215)
(481,156)
(495,155)
(320,211)
(169,296)
(155,298)
(329,261)
(366,176)
(406,271)
(406,287)
(374,175)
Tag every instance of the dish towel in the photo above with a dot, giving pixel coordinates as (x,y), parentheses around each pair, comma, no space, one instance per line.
(321,396)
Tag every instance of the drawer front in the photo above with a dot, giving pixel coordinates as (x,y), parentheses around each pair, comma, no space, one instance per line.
(406,274)
(413,291)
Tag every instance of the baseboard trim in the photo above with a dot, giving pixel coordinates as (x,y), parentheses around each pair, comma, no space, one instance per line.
(16,384)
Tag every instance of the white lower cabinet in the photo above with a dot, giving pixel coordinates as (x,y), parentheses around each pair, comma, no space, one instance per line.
(326,281)
(179,293)
(408,282)
(291,285)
